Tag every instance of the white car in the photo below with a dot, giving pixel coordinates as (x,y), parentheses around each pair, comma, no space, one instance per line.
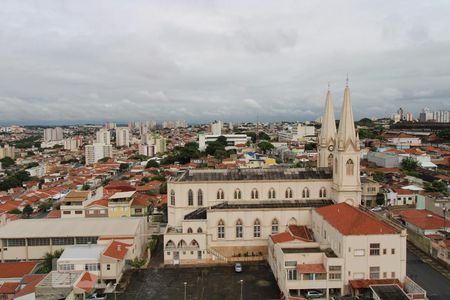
(238,268)
(97,296)
(377,208)
(314,294)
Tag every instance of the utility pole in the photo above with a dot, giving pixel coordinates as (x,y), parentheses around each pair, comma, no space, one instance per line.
(185,284)
(242,284)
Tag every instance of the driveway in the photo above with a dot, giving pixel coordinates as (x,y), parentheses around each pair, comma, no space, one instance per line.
(203,283)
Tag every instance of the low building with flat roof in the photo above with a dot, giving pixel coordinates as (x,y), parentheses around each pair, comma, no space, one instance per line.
(31,239)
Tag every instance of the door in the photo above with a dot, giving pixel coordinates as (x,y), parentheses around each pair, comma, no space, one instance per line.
(199,254)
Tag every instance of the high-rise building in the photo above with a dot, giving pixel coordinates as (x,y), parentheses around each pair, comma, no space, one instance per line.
(216,128)
(122,137)
(73,143)
(53,134)
(409,117)
(7,151)
(147,150)
(103,136)
(110,125)
(97,151)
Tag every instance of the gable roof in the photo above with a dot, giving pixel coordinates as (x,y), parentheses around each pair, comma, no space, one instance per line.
(16,269)
(116,250)
(294,232)
(423,219)
(350,220)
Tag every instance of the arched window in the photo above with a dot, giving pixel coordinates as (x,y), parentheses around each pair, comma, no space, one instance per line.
(189,230)
(200,197)
(335,165)
(349,167)
(190,198)
(220,194)
(172,197)
(181,244)
(239,229)
(170,244)
(323,192)
(288,193)
(221,229)
(292,221)
(193,244)
(274,226)
(255,194)
(237,194)
(257,229)
(272,193)
(199,230)
(330,160)
(305,193)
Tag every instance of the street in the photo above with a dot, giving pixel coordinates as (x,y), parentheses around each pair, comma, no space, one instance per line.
(436,285)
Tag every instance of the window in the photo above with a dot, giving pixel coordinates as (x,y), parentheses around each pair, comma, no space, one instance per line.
(221,230)
(78,212)
(38,242)
(189,230)
(63,241)
(138,210)
(170,244)
(274,226)
(330,160)
(257,229)
(91,267)
(271,193)
(384,274)
(220,194)
(199,230)
(392,274)
(288,193)
(66,212)
(182,244)
(305,193)
(193,244)
(86,240)
(200,197)
(172,197)
(90,212)
(374,273)
(66,267)
(323,192)
(237,194)
(239,229)
(254,194)
(291,274)
(335,272)
(15,242)
(108,267)
(349,167)
(393,251)
(384,251)
(190,198)
(359,252)
(375,249)
(358,275)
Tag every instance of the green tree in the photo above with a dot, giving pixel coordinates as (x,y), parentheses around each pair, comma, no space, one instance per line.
(408,164)
(265,146)
(222,140)
(379,176)
(85,187)
(152,164)
(380,199)
(138,262)
(27,211)
(310,146)
(163,188)
(46,205)
(436,186)
(365,122)
(263,136)
(47,263)
(252,135)
(104,159)
(123,167)
(444,134)
(7,162)
(139,157)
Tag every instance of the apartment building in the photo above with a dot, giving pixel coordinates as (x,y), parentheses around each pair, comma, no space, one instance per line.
(122,137)
(53,134)
(73,204)
(97,151)
(103,136)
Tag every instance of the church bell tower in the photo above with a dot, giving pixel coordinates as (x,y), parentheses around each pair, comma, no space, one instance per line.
(327,138)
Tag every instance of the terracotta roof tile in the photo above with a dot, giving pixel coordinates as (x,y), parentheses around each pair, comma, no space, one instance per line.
(9,287)
(16,269)
(350,220)
(423,219)
(365,283)
(116,250)
(311,268)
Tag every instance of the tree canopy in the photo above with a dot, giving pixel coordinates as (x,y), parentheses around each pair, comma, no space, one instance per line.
(409,164)
(265,146)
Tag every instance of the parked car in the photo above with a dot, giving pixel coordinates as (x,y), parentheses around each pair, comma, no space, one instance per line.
(97,296)
(238,268)
(377,208)
(313,294)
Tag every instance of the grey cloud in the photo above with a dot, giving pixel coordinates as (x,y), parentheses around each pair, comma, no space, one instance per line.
(206,60)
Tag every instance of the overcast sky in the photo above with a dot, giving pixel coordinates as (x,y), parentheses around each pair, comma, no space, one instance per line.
(70,61)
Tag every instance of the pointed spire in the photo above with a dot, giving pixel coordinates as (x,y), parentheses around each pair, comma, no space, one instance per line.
(346,130)
(328,123)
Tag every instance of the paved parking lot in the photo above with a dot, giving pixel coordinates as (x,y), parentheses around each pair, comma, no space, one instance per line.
(203,283)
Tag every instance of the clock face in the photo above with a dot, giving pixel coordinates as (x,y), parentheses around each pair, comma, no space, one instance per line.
(330,147)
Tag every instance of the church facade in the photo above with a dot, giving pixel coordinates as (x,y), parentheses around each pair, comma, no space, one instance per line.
(224,214)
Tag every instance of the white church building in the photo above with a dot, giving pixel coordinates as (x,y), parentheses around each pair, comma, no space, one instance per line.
(237,215)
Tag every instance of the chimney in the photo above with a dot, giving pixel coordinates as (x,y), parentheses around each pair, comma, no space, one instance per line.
(119,248)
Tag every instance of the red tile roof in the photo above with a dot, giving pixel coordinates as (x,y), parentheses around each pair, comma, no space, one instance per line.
(423,219)
(350,220)
(311,268)
(31,281)
(365,283)
(16,269)
(87,282)
(140,200)
(116,250)
(102,202)
(9,287)
(54,214)
(300,233)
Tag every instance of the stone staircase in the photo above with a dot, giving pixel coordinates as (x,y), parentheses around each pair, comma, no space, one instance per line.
(217,255)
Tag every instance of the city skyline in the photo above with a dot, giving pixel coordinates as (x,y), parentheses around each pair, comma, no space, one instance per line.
(206,60)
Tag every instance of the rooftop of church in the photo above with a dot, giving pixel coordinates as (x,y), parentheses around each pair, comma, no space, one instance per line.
(254,174)
(273,204)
